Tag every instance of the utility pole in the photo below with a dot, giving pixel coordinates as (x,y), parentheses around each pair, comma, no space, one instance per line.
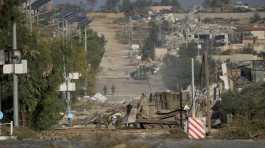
(85,39)
(181,108)
(15,79)
(193,90)
(37,17)
(130,33)
(30,16)
(68,97)
(1,96)
(86,59)
(208,100)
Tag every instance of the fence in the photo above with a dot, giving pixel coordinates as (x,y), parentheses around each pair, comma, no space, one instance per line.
(6,129)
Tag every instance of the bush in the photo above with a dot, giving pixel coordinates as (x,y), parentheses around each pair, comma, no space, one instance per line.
(242,128)
(248,108)
(47,113)
(25,133)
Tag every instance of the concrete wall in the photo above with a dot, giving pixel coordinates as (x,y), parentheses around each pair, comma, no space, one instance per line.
(160,53)
(259,34)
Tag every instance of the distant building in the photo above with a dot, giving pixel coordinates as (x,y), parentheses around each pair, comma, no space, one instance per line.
(254,37)
(50,6)
(160,53)
(160,9)
(241,5)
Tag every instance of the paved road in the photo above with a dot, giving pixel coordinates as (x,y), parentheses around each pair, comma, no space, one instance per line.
(146,143)
(169,143)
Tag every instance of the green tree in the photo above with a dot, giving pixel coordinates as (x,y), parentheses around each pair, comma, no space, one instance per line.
(216,3)
(248,103)
(40,102)
(152,40)
(176,70)
(255,18)
(112,4)
(126,4)
(176,4)
(165,2)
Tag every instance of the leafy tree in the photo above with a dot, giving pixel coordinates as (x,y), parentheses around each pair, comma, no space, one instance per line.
(256,17)
(165,2)
(176,70)
(142,3)
(216,3)
(95,49)
(40,102)
(138,7)
(152,40)
(126,4)
(176,4)
(247,107)
(248,103)
(112,4)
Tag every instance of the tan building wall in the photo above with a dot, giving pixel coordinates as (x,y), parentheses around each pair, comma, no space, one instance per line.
(232,47)
(247,42)
(260,35)
(160,53)
(158,9)
(259,45)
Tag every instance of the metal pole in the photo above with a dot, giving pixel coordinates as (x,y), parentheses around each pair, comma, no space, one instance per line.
(37,17)
(11,128)
(181,109)
(85,39)
(30,16)
(68,95)
(1,93)
(193,89)
(208,106)
(86,59)
(15,80)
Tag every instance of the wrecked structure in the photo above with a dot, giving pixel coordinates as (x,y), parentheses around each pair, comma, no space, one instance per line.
(193,30)
(159,110)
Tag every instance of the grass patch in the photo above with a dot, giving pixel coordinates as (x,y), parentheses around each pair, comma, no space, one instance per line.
(243,129)
(25,133)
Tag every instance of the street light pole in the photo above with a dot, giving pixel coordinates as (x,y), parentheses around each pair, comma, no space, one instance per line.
(86,59)
(30,16)
(15,79)
(193,90)
(208,100)
(85,39)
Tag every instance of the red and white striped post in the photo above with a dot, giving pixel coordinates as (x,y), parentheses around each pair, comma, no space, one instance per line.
(196,128)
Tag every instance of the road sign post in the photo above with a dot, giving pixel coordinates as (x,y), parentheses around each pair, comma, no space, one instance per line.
(1,118)
(1,115)
(67,87)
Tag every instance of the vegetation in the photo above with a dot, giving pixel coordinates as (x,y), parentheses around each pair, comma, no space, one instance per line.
(255,18)
(176,71)
(248,108)
(40,101)
(152,41)
(138,7)
(112,5)
(216,3)
(174,3)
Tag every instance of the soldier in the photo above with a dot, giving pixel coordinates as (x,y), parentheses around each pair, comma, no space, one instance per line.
(113,89)
(105,90)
